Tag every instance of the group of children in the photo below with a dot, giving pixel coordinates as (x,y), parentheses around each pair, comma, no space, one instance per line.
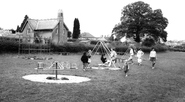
(112,59)
(139,55)
(152,57)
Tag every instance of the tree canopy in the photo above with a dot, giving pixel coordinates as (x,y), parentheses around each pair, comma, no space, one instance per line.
(138,19)
(76,29)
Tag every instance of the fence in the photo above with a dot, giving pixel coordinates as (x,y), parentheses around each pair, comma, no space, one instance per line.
(34,45)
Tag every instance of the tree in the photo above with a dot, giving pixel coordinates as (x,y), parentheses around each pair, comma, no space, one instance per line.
(23,23)
(76,29)
(18,28)
(138,19)
(13,31)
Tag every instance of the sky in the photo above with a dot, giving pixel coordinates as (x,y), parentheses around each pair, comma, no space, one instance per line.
(98,17)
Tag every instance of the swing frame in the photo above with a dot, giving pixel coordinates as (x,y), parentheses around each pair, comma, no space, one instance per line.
(101,44)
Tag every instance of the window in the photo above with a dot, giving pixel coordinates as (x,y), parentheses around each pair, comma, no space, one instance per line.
(28,30)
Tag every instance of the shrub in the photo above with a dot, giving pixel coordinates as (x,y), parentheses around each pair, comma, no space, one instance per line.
(9,46)
(13,47)
(180,48)
(148,42)
(94,42)
(71,47)
(157,47)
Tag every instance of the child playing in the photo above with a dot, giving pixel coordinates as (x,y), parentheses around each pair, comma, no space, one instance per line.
(131,55)
(103,58)
(126,68)
(153,57)
(140,53)
(113,56)
(105,61)
(84,60)
(89,58)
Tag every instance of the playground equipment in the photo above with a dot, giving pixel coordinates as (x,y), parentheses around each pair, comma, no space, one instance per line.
(56,66)
(101,45)
(102,48)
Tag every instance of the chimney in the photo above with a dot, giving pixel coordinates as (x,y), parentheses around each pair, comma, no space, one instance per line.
(60,27)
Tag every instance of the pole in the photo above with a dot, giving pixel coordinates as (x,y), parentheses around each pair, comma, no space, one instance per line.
(56,70)
(19,46)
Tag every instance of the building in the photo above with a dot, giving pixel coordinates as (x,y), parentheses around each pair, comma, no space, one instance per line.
(86,36)
(38,30)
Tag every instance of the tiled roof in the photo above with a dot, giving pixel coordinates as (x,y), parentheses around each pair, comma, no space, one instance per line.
(43,24)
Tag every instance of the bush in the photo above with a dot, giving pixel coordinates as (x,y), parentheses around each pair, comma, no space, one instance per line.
(9,46)
(157,47)
(148,42)
(71,47)
(94,42)
(180,48)
(13,47)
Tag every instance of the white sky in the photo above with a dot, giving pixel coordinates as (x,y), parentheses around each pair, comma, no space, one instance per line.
(97,17)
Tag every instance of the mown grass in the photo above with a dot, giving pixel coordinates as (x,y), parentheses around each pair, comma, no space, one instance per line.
(163,84)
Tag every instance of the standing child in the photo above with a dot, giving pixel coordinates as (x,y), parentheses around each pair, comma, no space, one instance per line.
(84,60)
(126,68)
(89,58)
(140,53)
(153,57)
(131,55)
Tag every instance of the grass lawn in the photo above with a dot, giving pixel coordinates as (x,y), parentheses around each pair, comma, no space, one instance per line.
(166,83)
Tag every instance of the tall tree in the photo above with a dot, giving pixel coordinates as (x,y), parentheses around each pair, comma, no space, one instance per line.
(76,29)
(18,28)
(23,23)
(138,19)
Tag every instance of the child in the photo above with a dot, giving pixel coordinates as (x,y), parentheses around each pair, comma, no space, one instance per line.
(140,53)
(153,57)
(126,68)
(89,58)
(84,60)
(131,55)
(105,61)
(113,56)
(103,58)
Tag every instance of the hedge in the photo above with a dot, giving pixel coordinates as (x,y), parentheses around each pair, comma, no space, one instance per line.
(12,47)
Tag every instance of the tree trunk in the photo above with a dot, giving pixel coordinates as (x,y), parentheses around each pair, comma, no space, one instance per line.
(137,37)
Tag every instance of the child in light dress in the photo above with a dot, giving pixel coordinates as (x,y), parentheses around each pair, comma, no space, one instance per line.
(139,55)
